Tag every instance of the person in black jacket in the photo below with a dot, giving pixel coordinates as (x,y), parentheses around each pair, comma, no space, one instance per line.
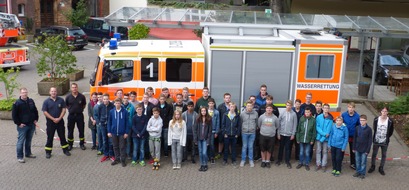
(166,113)
(25,116)
(383,130)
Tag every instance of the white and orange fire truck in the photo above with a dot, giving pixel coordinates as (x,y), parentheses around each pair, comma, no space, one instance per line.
(11,55)
(290,62)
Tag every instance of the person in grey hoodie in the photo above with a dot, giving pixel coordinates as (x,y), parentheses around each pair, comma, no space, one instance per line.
(268,124)
(249,119)
(154,128)
(286,133)
(189,116)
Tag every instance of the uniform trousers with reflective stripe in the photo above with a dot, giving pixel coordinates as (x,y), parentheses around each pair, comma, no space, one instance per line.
(51,128)
(72,120)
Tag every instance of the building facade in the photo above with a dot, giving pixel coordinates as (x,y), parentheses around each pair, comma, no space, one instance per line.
(51,12)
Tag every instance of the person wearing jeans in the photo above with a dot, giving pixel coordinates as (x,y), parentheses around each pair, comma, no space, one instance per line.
(362,145)
(118,130)
(249,120)
(230,131)
(166,113)
(338,140)
(101,114)
(351,120)
(306,133)
(25,116)
(138,133)
(214,113)
(323,125)
(202,132)
(95,99)
(177,138)
(383,130)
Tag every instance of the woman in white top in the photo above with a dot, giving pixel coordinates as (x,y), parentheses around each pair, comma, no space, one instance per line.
(383,130)
(177,138)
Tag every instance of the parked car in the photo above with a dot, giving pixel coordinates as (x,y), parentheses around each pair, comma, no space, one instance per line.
(387,61)
(97,29)
(74,36)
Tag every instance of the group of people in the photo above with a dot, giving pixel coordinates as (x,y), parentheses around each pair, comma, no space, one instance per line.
(128,129)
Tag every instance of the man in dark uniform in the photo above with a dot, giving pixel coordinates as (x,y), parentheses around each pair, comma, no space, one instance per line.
(76,103)
(25,116)
(54,111)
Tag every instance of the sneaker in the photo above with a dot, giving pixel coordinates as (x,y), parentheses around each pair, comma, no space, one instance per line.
(218,156)
(212,161)
(178,166)
(123,164)
(103,159)
(337,173)
(83,147)
(142,163)
(324,169)
(278,163)
(93,147)
(234,163)
(289,166)
(48,155)
(115,162)
(263,164)
(166,155)
(307,167)
(99,153)
(362,177)
(299,166)
(224,163)
(251,164)
(174,167)
(268,164)
(21,160)
(242,163)
(193,161)
(69,147)
(353,166)
(112,158)
(201,168)
(318,167)
(205,168)
(133,163)
(31,156)
(356,174)
(333,172)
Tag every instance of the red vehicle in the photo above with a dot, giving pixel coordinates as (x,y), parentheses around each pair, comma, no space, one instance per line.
(11,55)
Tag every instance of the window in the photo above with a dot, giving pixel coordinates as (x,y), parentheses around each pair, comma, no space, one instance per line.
(178,70)
(116,71)
(149,69)
(105,26)
(20,9)
(320,66)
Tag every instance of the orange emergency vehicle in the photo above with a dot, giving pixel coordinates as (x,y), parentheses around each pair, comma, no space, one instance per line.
(11,55)
(290,62)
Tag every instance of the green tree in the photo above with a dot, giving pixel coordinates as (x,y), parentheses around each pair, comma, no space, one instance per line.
(55,58)
(78,16)
(139,31)
(8,78)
